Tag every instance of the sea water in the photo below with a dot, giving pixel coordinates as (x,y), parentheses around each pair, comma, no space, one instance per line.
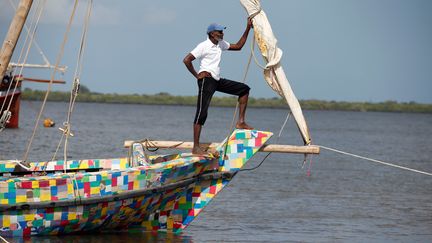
(329,198)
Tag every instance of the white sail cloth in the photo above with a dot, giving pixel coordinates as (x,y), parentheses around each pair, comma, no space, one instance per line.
(274,73)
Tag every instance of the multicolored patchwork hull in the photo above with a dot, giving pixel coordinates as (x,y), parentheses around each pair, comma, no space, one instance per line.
(149,193)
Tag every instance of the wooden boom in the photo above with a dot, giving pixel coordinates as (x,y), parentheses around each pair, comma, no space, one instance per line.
(44,80)
(278,148)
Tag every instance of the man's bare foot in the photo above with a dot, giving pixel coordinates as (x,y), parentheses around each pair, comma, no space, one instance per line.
(196,150)
(243,125)
(214,152)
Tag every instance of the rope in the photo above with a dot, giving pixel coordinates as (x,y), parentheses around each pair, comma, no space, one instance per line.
(23,165)
(375,160)
(35,21)
(4,240)
(75,184)
(308,173)
(252,54)
(34,41)
(75,89)
(76,83)
(4,119)
(243,81)
(54,157)
(59,57)
(145,145)
(256,59)
(277,139)
(231,129)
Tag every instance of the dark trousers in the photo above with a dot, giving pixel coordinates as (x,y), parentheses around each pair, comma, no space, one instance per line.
(207,87)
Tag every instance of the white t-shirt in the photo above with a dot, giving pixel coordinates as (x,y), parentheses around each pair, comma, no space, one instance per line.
(209,55)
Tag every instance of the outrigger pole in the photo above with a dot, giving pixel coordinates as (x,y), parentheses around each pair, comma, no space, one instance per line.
(13,35)
(278,148)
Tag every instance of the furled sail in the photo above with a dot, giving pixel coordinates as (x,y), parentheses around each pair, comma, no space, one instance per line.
(274,73)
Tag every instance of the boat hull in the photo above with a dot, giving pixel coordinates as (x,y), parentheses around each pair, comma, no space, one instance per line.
(170,208)
(165,195)
(15,97)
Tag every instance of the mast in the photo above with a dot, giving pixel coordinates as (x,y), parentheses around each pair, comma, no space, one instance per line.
(13,35)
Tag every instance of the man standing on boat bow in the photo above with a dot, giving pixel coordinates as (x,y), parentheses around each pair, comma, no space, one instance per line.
(208,77)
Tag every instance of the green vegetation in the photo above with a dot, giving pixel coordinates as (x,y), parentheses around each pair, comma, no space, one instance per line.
(86,95)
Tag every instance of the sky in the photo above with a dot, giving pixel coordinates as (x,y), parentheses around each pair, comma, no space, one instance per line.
(341,50)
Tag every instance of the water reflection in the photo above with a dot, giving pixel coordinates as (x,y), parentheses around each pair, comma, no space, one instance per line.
(107,237)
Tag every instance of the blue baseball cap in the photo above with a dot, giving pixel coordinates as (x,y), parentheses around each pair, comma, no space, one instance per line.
(214,26)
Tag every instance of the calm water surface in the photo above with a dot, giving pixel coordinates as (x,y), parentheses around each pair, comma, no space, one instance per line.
(343,200)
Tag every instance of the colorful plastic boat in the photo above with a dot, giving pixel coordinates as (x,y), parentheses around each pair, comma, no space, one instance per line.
(150,193)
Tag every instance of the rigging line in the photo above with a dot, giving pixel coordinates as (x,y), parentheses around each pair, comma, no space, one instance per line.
(84,37)
(283,126)
(277,140)
(54,157)
(53,73)
(255,58)
(33,25)
(28,42)
(256,167)
(78,70)
(35,42)
(75,188)
(376,161)
(4,240)
(244,77)
(231,129)
(7,113)
(31,33)
(243,81)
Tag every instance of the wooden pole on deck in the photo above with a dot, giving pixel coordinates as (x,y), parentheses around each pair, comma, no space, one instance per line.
(278,148)
(13,35)
(37,80)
